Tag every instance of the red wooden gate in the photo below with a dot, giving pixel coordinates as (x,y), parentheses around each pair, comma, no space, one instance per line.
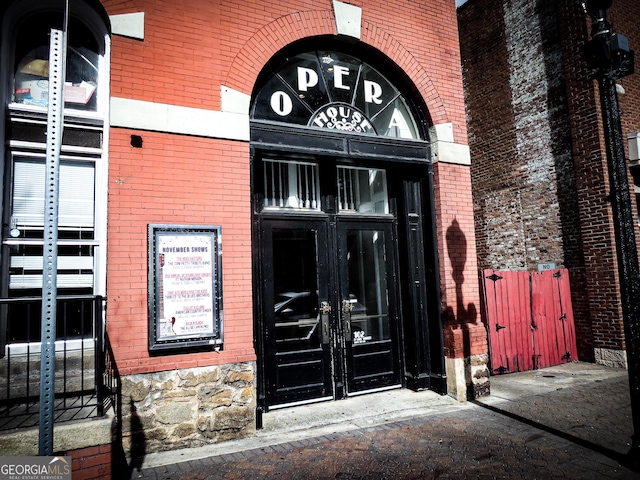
(530,319)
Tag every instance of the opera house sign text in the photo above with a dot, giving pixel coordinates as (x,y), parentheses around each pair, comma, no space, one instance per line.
(335,91)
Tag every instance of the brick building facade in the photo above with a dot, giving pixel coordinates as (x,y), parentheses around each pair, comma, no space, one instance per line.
(538,154)
(317,148)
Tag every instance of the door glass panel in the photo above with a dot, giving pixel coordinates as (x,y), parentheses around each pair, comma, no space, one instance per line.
(362,190)
(367,286)
(291,185)
(295,290)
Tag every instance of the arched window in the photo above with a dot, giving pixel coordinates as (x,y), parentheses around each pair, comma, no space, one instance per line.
(334,90)
(26,27)
(32,65)
(26,44)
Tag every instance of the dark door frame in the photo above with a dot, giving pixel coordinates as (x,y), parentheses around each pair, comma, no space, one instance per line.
(422,350)
(393,376)
(314,360)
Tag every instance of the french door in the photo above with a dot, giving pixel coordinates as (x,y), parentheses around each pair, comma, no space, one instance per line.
(330,316)
(367,304)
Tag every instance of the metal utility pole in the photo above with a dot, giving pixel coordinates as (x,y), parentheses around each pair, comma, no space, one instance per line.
(609,56)
(55,122)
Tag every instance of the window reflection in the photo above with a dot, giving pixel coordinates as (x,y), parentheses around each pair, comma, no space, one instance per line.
(291,185)
(362,190)
(368,296)
(295,281)
(31,81)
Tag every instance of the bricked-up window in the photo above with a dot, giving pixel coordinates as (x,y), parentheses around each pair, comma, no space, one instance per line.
(25,31)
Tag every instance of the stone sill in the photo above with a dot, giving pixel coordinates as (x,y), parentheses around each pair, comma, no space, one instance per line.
(67,436)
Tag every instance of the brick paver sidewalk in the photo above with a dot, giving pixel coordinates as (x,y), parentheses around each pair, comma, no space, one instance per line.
(572,422)
(469,444)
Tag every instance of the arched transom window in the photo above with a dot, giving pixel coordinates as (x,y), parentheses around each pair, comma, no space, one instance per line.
(327,89)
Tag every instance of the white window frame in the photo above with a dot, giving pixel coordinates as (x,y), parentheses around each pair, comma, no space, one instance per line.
(18,156)
(86,120)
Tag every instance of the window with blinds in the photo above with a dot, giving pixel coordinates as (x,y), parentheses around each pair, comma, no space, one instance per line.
(76,194)
(75,223)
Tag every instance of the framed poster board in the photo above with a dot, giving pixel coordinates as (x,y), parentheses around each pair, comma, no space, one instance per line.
(185,287)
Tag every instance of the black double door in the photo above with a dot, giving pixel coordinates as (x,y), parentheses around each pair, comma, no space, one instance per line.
(330,308)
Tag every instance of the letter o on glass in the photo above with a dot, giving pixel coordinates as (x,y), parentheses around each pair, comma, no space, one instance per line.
(281,103)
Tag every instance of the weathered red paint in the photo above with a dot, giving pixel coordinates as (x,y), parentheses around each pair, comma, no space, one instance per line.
(508,316)
(530,319)
(554,334)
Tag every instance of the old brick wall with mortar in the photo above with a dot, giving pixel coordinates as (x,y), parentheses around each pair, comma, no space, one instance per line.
(525,198)
(538,166)
(596,218)
(95,463)
(186,56)
(608,333)
(207,180)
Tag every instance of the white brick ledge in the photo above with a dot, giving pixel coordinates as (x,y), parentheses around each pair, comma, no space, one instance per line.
(161,117)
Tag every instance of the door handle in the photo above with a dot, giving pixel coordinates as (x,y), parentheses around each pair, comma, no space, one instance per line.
(325,310)
(346,320)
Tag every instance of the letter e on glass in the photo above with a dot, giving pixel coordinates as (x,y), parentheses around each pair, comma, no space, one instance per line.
(338,73)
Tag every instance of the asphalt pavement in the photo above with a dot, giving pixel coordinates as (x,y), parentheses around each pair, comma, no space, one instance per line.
(571,421)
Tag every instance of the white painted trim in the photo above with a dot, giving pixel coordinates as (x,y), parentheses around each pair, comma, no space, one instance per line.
(102,180)
(442,132)
(348,19)
(128,25)
(449,152)
(160,117)
(234,101)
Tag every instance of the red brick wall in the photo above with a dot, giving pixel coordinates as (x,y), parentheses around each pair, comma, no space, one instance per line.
(464,334)
(188,53)
(600,280)
(91,463)
(228,43)
(625,16)
(176,179)
(591,165)
(456,242)
(523,217)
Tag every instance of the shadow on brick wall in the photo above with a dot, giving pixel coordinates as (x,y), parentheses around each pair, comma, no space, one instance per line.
(464,335)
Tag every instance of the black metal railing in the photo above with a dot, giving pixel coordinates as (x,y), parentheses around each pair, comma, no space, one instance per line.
(86,380)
